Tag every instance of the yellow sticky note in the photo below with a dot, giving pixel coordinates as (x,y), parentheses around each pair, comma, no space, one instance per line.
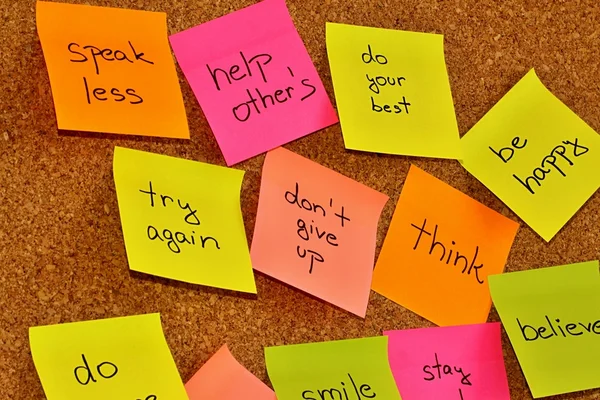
(536,155)
(111,70)
(118,358)
(182,219)
(392,91)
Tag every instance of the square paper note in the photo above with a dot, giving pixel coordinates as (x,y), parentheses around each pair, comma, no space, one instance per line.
(223,378)
(392,91)
(455,362)
(182,219)
(536,155)
(316,230)
(439,251)
(339,370)
(111,70)
(116,358)
(254,80)
(552,317)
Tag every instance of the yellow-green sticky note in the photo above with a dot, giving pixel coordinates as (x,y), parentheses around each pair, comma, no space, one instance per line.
(343,369)
(536,155)
(182,219)
(552,317)
(392,91)
(116,358)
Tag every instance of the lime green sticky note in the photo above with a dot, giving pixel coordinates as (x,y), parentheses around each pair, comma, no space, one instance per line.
(182,219)
(338,370)
(118,358)
(392,91)
(536,155)
(552,317)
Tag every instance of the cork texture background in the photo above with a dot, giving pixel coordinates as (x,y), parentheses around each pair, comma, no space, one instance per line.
(62,256)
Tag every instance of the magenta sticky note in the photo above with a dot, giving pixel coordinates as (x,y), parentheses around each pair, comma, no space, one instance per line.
(254,80)
(455,362)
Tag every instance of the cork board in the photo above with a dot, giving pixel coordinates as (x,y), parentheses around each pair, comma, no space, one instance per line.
(62,256)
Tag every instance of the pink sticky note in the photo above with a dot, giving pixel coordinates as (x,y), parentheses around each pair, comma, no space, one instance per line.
(456,362)
(223,378)
(316,230)
(253,79)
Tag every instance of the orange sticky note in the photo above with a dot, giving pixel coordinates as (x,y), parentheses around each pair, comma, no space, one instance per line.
(439,250)
(223,378)
(316,230)
(111,70)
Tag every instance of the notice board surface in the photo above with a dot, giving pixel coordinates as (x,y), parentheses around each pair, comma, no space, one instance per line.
(62,256)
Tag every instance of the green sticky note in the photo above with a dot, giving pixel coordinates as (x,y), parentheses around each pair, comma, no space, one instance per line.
(182,219)
(355,369)
(536,155)
(552,317)
(392,91)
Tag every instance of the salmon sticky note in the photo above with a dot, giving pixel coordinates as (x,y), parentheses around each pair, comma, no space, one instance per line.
(111,70)
(182,219)
(438,254)
(223,378)
(536,155)
(115,358)
(343,369)
(254,80)
(316,230)
(552,317)
(392,91)
(456,362)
